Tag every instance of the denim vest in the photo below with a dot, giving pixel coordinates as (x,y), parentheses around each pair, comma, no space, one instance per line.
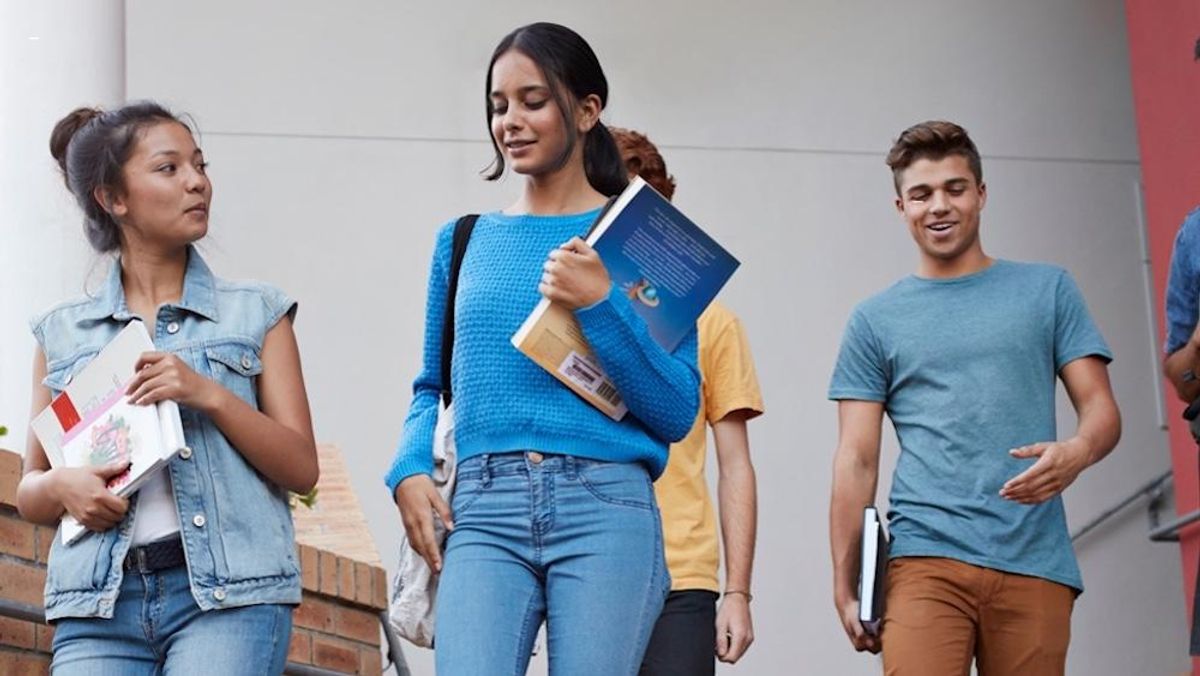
(235,524)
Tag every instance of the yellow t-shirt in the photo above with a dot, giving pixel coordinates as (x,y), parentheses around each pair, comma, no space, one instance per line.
(728,384)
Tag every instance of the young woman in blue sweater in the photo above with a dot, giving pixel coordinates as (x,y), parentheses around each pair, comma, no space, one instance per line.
(553,517)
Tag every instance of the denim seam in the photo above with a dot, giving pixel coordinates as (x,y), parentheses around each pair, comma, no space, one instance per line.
(275,632)
(647,506)
(549,482)
(523,652)
(151,596)
(470,500)
(644,618)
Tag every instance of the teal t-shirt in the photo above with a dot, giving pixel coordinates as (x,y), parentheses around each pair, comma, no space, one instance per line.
(966,370)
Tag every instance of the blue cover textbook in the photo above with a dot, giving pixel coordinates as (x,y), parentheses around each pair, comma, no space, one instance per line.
(670,268)
(667,266)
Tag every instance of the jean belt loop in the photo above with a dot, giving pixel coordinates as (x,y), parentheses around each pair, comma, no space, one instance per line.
(486,469)
(569,465)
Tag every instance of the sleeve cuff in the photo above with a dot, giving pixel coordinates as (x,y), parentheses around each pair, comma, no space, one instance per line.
(404,469)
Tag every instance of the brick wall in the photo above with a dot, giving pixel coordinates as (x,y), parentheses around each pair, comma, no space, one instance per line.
(345,587)
(336,627)
(24,646)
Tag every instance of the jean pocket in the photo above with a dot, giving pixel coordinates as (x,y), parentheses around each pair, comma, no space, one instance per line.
(467,492)
(616,483)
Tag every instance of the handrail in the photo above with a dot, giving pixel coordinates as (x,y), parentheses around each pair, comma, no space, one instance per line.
(30,613)
(293,669)
(395,653)
(1151,489)
(1169,532)
(22,611)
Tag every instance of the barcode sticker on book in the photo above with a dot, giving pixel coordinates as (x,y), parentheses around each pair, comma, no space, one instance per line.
(586,373)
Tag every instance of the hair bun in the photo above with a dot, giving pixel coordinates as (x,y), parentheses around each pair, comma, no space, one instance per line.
(65,130)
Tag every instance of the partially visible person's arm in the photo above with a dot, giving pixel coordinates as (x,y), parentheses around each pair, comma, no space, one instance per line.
(1060,462)
(855,479)
(662,389)
(408,478)
(737,497)
(1182,369)
(1182,344)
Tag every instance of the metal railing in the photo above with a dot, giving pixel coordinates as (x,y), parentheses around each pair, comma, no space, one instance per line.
(1169,532)
(1152,490)
(293,669)
(395,652)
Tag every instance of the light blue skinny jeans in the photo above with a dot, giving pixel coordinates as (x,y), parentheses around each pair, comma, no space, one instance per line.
(157,628)
(574,542)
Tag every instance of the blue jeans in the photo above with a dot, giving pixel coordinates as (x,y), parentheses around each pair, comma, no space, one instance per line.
(575,542)
(157,628)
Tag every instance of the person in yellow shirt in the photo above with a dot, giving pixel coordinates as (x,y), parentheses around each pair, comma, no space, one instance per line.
(693,626)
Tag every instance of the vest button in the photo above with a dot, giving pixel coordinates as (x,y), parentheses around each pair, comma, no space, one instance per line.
(185,452)
(173,328)
(219,594)
(198,520)
(246,363)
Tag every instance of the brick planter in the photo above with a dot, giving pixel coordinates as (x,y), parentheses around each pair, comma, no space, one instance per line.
(24,646)
(336,627)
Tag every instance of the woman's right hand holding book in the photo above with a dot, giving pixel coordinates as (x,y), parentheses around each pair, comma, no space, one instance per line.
(83,493)
(419,501)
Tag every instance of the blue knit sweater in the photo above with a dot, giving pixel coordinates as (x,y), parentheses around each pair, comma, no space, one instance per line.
(503,401)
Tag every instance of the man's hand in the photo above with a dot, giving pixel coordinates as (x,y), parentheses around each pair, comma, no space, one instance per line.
(574,276)
(735,631)
(1057,466)
(859,638)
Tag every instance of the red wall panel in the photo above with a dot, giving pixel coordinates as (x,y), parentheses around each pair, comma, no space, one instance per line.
(1166,92)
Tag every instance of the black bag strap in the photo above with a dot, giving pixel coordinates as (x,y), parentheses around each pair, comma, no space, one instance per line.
(462,237)
(600,216)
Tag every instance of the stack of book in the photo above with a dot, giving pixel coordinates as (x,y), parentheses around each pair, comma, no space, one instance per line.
(92,423)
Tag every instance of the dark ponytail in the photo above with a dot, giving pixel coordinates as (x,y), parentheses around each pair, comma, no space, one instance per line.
(91,147)
(602,161)
(570,67)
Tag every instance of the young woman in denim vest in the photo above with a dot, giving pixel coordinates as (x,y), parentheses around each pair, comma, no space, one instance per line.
(196,573)
(553,517)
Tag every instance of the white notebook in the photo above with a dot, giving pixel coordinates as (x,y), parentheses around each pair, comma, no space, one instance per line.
(872,571)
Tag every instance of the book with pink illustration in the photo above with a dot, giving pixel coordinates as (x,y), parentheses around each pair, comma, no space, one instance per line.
(92,423)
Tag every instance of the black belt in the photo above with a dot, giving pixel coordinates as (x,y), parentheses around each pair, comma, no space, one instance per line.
(155,556)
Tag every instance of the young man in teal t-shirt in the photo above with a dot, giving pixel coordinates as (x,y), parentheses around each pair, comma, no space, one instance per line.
(963,356)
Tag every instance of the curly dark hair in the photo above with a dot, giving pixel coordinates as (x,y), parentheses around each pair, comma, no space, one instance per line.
(641,158)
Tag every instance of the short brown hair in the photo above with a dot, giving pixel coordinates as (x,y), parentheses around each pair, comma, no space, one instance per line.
(932,140)
(641,158)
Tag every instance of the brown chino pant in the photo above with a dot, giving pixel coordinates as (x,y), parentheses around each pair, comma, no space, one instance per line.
(941,613)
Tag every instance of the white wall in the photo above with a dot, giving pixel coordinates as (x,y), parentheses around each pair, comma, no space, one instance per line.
(342,135)
(54,56)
